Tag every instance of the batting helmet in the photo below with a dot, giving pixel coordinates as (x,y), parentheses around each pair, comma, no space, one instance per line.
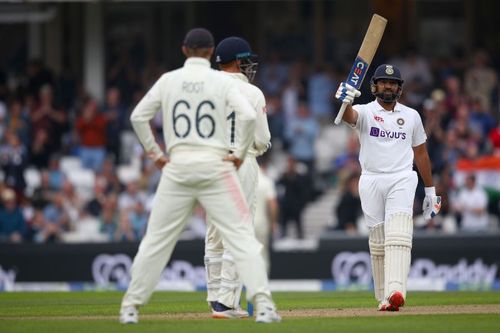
(389,72)
(236,48)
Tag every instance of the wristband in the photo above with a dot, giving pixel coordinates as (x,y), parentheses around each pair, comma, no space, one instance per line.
(430,191)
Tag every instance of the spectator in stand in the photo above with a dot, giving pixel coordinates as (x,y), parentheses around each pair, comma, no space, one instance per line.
(138,218)
(44,193)
(273,75)
(56,176)
(435,133)
(301,134)
(42,231)
(275,119)
(91,129)
(40,150)
(471,204)
(14,160)
(454,97)
(453,149)
(349,208)
(56,213)
(480,79)
(110,217)
(494,137)
(72,202)
(17,122)
(347,162)
(116,117)
(481,117)
(110,174)
(12,223)
(321,84)
(133,194)
(48,119)
(124,232)
(294,189)
(95,205)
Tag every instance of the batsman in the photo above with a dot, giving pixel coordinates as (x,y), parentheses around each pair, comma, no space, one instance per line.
(392,137)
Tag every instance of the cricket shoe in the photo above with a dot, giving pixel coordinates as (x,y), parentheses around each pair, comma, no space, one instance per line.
(267,314)
(394,302)
(129,315)
(386,306)
(220,311)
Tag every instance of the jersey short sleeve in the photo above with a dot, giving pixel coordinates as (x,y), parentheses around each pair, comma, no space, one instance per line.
(419,136)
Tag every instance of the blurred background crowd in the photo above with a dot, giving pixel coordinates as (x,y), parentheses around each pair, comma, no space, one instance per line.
(73,171)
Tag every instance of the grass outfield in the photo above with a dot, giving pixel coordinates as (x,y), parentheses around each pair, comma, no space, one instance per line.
(302,312)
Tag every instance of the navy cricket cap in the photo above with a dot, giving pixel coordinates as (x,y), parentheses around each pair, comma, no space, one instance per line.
(387,71)
(233,48)
(198,38)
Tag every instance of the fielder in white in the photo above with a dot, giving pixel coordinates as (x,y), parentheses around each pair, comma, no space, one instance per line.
(195,101)
(236,61)
(392,137)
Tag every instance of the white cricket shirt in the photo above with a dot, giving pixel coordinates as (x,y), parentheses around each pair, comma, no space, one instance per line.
(256,98)
(195,100)
(387,138)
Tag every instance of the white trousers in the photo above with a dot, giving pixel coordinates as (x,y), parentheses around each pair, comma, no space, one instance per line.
(214,243)
(385,194)
(215,185)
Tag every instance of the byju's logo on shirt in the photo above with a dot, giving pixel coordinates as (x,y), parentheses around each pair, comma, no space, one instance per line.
(377,132)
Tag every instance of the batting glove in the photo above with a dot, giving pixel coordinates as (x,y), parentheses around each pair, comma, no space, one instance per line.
(347,93)
(432,203)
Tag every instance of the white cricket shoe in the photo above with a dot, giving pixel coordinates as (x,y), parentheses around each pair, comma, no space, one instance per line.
(230,314)
(221,311)
(129,315)
(267,314)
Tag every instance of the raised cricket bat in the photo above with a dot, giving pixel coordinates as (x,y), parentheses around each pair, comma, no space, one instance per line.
(365,56)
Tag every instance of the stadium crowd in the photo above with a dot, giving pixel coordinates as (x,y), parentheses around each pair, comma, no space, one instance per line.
(72,170)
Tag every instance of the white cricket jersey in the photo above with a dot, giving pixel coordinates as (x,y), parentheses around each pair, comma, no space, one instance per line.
(387,138)
(195,101)
(256,98)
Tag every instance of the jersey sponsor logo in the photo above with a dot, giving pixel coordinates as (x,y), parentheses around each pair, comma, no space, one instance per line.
(380,133)
(379,119)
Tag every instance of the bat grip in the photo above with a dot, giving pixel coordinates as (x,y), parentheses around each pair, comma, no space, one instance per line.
(341,113)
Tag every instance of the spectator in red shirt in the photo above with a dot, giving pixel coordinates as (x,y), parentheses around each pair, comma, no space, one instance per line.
(91,130)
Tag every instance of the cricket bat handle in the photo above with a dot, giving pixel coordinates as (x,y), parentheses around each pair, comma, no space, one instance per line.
(338,119)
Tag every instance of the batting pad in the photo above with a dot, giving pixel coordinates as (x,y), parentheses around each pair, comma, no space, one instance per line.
(376,240)
(230,285)
(398,240)
(213,267)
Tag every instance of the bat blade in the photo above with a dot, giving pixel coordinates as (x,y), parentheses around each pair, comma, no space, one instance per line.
(365,56)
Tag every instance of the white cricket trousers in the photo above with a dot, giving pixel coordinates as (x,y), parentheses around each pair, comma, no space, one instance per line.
(192,177)
(214,245)
(248,176)
(385,194)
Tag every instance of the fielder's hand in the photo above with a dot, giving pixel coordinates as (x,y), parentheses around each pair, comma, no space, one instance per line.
(161,162)
(432,203)
(347,93)
(236,161)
